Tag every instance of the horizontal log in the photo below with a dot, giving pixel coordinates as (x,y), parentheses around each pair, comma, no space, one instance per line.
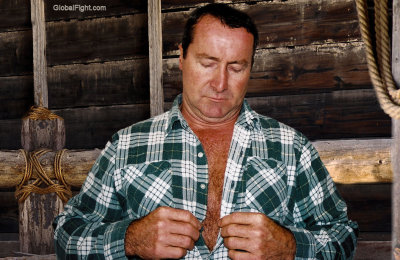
(94,40)
(284,71)
(16,96)
(352,161)
(372,250)
(75,165)
(15,15)
(80,10)
(96,84)
(16,53)
(281,23)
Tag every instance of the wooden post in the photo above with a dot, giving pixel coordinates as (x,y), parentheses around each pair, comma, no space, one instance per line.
(396,132)
(155,57)
(37,212)
(39,53)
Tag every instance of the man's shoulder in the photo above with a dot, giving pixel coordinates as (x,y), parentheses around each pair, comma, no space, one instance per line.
(145,127)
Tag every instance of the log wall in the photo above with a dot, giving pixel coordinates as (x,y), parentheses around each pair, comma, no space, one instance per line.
(310,72)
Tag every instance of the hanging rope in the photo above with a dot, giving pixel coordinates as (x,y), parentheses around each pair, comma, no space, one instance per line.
(23,190)
(381,75)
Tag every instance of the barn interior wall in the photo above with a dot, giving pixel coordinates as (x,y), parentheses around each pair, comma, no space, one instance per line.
(310,72)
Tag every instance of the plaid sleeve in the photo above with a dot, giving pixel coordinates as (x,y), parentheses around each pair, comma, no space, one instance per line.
(322,229)
(92,225)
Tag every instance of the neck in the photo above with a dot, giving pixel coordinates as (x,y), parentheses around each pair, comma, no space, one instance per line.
(196,122)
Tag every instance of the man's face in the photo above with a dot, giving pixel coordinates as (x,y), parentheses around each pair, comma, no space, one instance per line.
(216,70)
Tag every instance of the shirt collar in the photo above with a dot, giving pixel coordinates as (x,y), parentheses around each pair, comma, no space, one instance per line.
(248,118)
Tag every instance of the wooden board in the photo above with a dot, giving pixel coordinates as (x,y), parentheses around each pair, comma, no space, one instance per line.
(10,134)
(282,23)
(15,96)
(16,53)
(99,39)
(109,83)
(80,9)
(369,205)
(305,69)
(15,15)
(93,126)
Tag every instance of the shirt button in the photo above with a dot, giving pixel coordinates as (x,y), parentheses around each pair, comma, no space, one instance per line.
(200,154)
(202,186)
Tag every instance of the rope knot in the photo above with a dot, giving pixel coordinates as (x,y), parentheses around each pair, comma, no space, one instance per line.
(23,190)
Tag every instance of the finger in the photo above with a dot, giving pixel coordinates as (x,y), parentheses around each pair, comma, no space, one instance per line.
(181,241)
(182,228)
(179,215)
(244,218)
(237,243)
(170,252)
(239,255)
(236,230)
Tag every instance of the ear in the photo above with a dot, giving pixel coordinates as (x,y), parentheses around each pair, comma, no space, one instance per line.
(180,56)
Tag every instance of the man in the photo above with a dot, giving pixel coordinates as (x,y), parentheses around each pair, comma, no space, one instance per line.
(210,178)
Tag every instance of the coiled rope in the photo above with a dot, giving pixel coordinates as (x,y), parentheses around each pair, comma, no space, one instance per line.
(23,190)
(381,75)
(42,184)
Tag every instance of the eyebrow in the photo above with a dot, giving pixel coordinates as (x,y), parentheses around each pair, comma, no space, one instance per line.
(206,56)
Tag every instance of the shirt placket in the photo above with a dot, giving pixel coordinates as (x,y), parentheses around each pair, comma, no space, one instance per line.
(233,176)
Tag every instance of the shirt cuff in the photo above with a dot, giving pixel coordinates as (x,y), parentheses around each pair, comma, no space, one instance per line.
(114,240)
(305,243)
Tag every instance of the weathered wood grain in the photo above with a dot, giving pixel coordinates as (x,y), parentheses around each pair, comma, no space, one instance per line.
(155,58)
(301,70)
(283,23)
(10,134)
(91,127)
(75,165)
(351,161)
(15,96)
(372,250)
(96,84)
(80,9)
(99,39)
(40,93)
(16,53)
(15,15)
(396,128)
(369,205)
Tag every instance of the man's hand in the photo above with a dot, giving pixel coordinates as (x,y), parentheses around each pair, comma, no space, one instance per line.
(255,236)
(164,233)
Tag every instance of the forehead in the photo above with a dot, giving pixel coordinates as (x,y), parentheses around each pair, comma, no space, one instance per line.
(211,33)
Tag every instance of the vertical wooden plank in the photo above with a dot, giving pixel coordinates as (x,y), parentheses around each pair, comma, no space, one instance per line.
(155,57)
(39,53)
(396,132)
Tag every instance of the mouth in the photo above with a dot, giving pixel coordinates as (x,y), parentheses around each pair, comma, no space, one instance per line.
(217,99)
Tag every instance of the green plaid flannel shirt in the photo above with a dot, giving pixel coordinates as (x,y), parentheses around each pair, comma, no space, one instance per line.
(271,169)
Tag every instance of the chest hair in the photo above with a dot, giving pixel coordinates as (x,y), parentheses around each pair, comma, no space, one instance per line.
(216,145)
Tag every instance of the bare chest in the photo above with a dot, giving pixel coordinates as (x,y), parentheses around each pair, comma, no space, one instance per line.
(216,147)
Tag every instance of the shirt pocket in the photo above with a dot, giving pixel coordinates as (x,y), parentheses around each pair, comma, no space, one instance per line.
(146,186)
(264,188)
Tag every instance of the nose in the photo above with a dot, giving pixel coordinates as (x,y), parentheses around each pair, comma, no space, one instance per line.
(220,79)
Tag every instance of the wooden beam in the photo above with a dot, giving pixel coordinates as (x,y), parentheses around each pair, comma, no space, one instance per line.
(39,53)
(396,130)
(155,57)
(348,161)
